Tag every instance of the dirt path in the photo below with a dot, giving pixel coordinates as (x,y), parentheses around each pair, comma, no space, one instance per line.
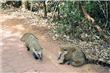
(16,59)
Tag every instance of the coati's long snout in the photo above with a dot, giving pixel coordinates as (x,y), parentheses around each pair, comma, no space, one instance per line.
(38,55)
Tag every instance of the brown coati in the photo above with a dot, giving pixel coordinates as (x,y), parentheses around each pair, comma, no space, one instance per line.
(75,57)
(71,55)
(32,44)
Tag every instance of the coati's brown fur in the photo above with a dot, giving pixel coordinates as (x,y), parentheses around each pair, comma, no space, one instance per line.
(71,55)
(76,57)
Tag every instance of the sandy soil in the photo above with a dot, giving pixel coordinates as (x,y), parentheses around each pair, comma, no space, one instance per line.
(16,59)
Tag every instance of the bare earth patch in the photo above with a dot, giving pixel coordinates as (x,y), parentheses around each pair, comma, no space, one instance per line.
(14,58)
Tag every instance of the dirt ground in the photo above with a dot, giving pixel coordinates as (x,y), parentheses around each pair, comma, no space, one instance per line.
(14,58)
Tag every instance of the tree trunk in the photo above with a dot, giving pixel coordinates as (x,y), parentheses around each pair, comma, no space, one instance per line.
(31,5)
(45,10)
(24,5)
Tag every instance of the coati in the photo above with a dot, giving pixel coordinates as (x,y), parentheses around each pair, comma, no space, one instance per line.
(71,55)
(74,56)
(32,44)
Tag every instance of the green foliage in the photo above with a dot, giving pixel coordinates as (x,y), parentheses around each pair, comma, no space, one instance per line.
(100,10)
(69,17)
(70,11)
(71,20)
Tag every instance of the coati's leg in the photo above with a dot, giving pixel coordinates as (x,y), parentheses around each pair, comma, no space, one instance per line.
(77,63)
